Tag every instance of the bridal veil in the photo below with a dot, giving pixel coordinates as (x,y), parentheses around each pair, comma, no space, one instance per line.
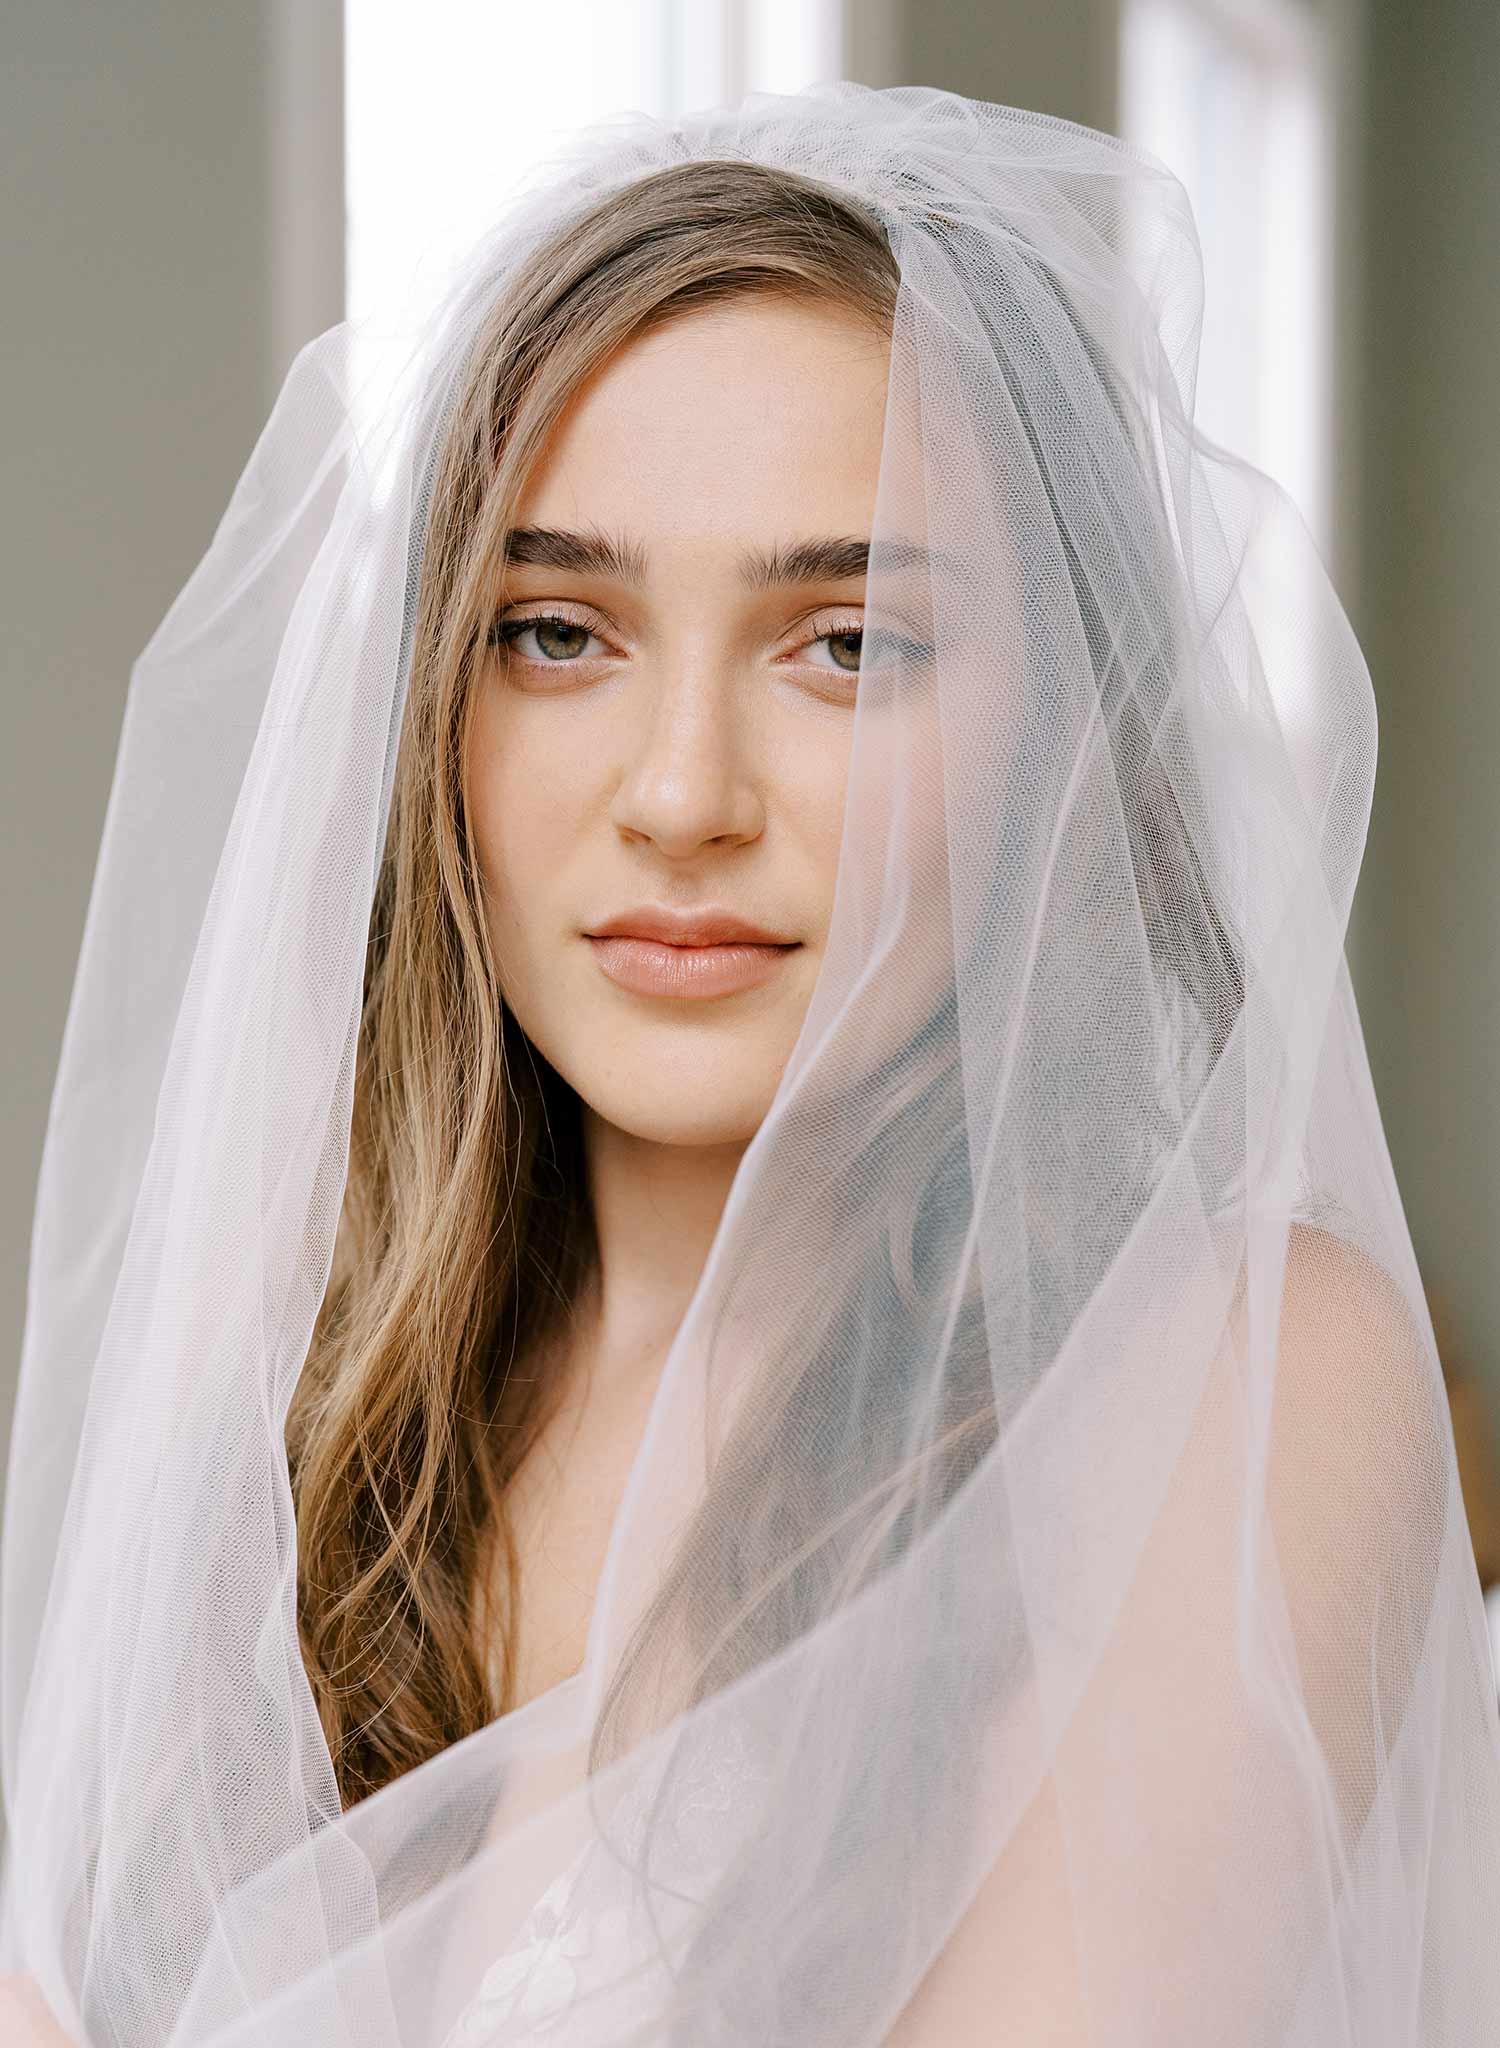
(1043,1572)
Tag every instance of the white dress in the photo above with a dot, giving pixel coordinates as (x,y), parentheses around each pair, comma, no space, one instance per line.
(586,1963)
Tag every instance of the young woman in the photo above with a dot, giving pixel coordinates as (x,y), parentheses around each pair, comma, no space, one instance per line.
(593,952)
(768,1359)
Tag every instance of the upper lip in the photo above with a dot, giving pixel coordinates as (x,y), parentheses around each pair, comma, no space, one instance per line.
(709,927)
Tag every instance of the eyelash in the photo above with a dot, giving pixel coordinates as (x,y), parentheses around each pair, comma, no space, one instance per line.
(504,632)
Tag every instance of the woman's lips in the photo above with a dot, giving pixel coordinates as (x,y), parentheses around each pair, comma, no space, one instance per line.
(649,967)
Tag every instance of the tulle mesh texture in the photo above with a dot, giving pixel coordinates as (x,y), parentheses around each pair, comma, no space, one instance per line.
(1136,1689)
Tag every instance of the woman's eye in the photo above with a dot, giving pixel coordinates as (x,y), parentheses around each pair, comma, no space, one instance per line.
(845,644)
(560,640)
(851,646)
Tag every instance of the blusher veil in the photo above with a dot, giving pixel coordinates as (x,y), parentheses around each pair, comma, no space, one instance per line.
(1044,1558)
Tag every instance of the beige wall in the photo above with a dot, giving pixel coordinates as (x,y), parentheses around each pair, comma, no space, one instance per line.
(1428,936)
(151,305)
(1058,58)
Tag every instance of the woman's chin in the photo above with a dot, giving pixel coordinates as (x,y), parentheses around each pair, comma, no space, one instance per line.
(680,1106)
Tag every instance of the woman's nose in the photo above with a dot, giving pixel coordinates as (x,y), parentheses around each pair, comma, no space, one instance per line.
(688,779)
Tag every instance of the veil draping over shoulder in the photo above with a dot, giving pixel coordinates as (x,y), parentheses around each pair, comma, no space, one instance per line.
(1041,1603)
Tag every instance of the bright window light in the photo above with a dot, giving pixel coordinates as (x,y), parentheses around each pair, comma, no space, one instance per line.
(1230,95)
(447,107)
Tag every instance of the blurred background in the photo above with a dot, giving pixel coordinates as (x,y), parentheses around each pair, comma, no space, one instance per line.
(190,193)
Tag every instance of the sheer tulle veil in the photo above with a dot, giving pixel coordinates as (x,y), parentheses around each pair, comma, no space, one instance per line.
(1043,1573)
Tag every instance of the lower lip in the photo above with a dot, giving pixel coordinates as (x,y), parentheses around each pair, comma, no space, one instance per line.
(647,967)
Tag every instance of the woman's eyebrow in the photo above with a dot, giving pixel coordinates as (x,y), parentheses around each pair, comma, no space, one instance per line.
(822,560)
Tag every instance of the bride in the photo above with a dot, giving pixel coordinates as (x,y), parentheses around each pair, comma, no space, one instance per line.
(577,1020)
(866,1461)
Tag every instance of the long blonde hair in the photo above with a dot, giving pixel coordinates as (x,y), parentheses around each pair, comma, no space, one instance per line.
(466,1237)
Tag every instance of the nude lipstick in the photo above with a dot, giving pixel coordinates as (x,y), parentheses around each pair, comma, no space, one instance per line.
(656,951)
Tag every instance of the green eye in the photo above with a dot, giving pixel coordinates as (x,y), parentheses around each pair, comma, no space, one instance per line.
(505,632)
(850,633)
(889,648)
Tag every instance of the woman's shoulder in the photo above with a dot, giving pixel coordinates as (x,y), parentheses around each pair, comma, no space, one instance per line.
(1304,1501)
(1360,1409)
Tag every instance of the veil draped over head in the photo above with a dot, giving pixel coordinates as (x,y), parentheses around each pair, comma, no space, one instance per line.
(1041,1606)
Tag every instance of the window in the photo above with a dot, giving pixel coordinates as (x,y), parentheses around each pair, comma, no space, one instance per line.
(1233,96)
(445,109)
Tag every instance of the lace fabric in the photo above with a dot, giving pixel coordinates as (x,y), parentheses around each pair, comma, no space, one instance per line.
(587,1935)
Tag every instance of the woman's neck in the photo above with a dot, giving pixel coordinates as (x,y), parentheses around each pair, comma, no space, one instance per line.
(656,1210)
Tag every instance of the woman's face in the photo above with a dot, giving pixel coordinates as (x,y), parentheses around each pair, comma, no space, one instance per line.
(665,732)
